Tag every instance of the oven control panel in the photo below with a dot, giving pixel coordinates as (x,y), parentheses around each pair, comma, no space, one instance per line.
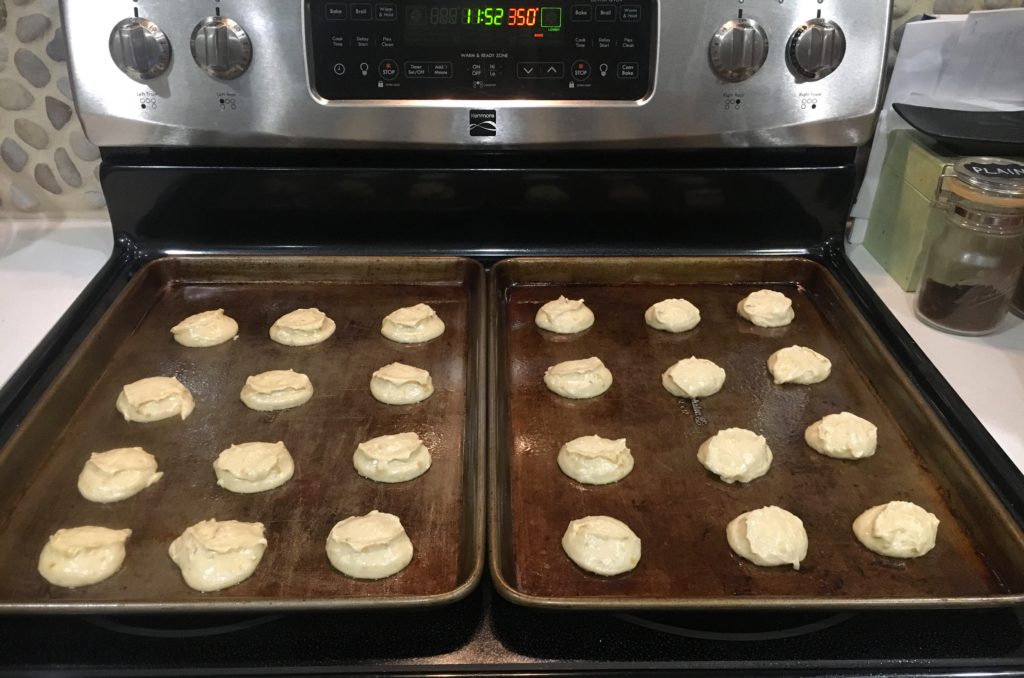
(471,73)
(481,49)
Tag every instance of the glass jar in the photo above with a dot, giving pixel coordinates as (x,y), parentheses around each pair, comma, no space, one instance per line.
(1017,303)
(972,267)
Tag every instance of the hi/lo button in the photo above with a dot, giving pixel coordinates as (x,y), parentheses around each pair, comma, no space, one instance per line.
(388,69)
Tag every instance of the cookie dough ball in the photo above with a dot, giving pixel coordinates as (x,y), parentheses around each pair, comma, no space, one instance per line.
(602,545)
(412,325)
(79,556)
(842,436)
(216,554)
(373,546)
(392,459)
(736,454)
(673,315)
(768,536)
(208,328)
(594,460)
(578,379)
(276,390)
(153,399)
(117,474)
(254,467)
(898,529)
(302,327)
(798,365)
(399,384)
(766,308)
(565,316)
(693,378)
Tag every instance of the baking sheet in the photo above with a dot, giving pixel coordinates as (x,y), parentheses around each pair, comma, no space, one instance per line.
(442,510)
(679,509)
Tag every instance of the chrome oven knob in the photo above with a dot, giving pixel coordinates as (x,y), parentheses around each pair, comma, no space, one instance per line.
(816,49)
(738,50)
(221,48)
(140,49)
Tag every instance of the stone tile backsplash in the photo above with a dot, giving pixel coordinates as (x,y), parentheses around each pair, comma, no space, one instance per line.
(47,166)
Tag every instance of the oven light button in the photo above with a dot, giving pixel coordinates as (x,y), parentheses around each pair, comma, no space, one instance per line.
(221,48)
(738,49)
(140,49)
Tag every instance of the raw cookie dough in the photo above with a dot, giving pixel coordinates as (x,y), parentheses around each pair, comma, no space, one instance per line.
(373,546)
(276,390)
(768,536)
(565,316)
(208,328)
(254,467)
(602,545)
(594,460)
(898,529)
(399,384)
(693,378)
(673,315)
(736,454)
(79,556)
(117,474)
(412,325)
(578,379)
(302,327)
(842,436)
(798,365)
(216,554)
(766,308)
(153,399)
(392,459)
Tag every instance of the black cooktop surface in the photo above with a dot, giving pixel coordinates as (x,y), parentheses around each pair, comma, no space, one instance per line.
(485,634)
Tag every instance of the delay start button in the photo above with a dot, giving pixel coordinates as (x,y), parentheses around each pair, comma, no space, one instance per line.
(388,69)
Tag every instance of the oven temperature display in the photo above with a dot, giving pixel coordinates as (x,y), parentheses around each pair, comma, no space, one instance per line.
(534,16)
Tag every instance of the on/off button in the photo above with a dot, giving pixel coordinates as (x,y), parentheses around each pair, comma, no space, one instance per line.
(388,69)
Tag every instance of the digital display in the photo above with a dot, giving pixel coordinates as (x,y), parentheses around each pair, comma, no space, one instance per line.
(530,16)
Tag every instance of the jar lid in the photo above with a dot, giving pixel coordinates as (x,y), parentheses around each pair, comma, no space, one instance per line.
(994,177)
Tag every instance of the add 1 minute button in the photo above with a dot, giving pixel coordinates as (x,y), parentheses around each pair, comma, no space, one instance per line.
(580,70)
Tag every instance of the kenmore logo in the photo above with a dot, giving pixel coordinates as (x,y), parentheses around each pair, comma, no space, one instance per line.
(483,123)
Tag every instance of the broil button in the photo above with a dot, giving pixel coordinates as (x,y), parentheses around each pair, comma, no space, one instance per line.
(362,12)
(605,13)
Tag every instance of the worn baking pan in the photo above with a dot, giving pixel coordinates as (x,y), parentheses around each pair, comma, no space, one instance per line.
(678,509)
(442,510)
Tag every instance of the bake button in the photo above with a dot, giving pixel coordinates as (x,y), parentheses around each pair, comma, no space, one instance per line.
(362,12)
(629,13)
(388,69)
(336,11)
(581,13)
(605,13)
(628,70)
(387,12)
(580,70)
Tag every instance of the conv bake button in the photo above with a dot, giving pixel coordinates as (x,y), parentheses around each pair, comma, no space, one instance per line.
(629,70)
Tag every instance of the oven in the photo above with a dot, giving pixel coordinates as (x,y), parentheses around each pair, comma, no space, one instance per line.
(485,156)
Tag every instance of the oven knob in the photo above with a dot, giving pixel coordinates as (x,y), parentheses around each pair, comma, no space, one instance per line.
(816,49)
(221,48)
(738,49)
(140,49)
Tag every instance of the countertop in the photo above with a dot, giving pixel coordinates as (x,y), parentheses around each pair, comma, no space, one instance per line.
(45,264)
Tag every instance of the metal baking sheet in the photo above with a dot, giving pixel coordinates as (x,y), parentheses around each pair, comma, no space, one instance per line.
(442,510)
(680,510)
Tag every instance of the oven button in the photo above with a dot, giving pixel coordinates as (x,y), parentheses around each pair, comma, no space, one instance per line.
(221,48)
(738,50)
(816,49)
(140,49)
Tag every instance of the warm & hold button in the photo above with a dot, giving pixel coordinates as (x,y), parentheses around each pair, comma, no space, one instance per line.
(629,13)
